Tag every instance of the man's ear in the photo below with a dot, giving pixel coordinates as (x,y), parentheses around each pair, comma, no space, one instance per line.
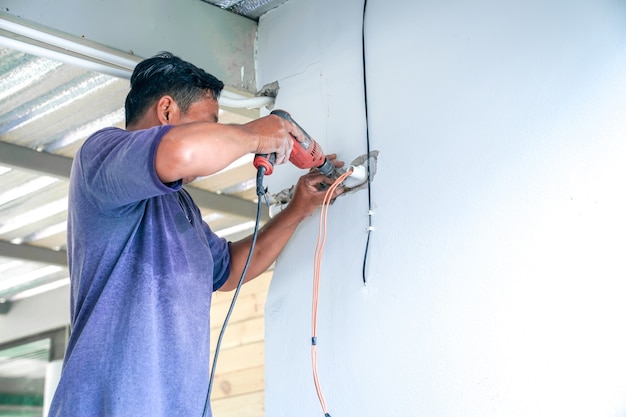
(167,110)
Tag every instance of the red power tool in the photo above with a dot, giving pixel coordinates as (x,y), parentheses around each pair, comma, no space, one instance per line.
(305,155)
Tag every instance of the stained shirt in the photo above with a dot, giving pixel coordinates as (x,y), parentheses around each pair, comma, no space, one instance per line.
(143,265)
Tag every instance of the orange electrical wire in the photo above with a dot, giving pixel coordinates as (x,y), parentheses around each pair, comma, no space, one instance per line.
(319,249)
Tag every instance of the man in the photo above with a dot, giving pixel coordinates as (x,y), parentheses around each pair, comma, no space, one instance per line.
(142,262)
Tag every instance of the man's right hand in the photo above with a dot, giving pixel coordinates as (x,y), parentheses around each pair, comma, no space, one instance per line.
(274,135)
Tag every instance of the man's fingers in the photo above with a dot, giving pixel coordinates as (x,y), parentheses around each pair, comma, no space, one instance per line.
(294,131)
(284,152)
(316,178)
(336,162)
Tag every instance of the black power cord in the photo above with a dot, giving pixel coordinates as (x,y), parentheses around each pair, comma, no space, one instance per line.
(260,191)
(367,136)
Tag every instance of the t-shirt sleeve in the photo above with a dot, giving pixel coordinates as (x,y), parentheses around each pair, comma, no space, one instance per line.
(220,248)
(118,166)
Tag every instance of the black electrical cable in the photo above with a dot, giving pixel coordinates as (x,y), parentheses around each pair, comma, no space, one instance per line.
(367,136)
(260,191)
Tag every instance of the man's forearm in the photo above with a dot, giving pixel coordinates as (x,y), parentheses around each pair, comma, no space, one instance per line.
(271,240)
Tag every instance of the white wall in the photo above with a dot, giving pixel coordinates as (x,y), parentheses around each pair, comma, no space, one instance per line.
(496,269)
(37,314)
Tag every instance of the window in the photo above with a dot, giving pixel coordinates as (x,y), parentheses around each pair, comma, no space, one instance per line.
(24,367)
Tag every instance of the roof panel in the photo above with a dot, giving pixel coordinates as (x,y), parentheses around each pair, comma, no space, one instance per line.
(52,107)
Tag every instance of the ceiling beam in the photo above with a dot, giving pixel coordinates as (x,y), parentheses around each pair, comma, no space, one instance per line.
(226,203)
(33,253)
(26,158)
(59,166)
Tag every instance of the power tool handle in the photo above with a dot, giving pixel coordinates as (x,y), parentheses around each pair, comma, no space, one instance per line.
(266,161)
(307,138)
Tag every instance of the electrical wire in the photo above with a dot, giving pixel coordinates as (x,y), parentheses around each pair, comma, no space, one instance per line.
(370,212)
(260,193)
(319,250)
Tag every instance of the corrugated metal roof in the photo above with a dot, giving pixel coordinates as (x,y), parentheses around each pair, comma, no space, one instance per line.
(252,9)
(47,109)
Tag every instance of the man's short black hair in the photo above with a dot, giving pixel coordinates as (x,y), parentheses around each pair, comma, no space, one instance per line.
(166,74)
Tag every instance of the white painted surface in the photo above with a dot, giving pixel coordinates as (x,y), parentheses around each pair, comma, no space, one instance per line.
(53,376)
(496,270)
(220,42)
(36,314)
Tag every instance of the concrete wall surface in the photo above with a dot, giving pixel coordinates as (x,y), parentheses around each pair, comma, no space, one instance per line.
(496,270)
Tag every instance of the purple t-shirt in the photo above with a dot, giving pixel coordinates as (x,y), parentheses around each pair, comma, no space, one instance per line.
(143,266)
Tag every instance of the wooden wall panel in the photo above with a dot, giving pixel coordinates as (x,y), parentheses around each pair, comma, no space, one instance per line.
(238,388)
(249,405)
(237,383)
